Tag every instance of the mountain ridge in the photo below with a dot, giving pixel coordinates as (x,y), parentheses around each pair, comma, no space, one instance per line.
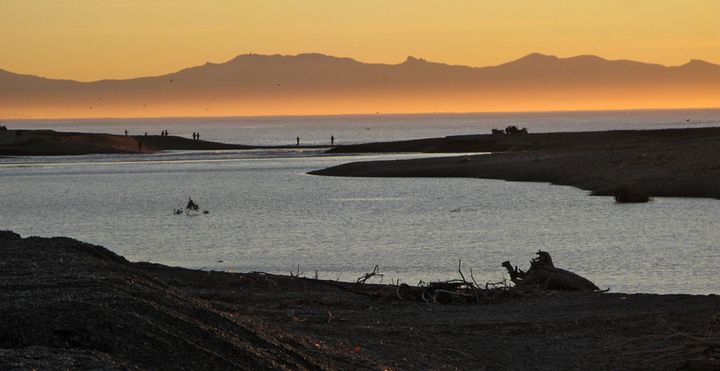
(315,83)
(239,57)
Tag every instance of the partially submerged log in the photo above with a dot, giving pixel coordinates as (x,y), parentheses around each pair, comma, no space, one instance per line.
(544,274)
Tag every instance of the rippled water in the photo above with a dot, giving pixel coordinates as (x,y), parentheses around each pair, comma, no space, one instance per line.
(266,214)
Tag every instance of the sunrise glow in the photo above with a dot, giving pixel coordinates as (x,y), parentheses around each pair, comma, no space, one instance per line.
(90,40)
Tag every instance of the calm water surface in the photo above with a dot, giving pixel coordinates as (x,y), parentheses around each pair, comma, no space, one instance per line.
(267,215)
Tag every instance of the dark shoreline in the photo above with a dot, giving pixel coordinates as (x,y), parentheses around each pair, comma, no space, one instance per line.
(661,163)
(67,304)
(54,143)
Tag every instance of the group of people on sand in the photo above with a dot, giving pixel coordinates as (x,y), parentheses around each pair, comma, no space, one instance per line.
(196,135)
(163,133)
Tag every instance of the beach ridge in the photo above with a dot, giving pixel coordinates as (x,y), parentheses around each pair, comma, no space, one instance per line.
(659,163)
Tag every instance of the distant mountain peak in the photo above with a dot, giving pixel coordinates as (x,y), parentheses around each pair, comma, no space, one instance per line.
(308,57)
(532,59)
(588,57)
(698,62)
(316,55)
(414,60)
(537,57)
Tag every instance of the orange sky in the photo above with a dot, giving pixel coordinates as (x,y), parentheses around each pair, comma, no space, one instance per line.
(90,39)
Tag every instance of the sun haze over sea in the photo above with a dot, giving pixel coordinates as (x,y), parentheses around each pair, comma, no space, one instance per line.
(288,57)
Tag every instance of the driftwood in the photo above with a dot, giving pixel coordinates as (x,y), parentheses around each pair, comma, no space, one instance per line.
(542,277)
(544,274)
(456,291)
(367,276)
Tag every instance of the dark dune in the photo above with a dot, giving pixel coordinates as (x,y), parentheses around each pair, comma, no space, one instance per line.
(671,163)
(54,143)
(65,304)
(583,140)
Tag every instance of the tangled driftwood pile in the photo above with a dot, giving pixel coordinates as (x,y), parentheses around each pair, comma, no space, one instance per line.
(540,279)
(453,291)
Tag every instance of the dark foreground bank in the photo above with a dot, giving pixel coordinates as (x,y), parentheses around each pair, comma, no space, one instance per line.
(670,162)
(65,304)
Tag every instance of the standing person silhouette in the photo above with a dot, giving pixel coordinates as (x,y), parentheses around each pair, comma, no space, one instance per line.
(332,140)
(197,136)
(298,141)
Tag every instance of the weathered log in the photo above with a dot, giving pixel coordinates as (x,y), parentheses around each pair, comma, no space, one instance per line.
(544,274)
(516,275)
(560,279)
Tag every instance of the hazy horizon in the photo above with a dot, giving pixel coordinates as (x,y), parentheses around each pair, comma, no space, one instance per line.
(367,114)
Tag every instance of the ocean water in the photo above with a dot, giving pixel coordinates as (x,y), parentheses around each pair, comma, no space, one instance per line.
(316,130)
(266,214)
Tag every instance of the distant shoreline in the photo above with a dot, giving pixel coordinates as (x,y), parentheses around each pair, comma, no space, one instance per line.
(23,142)
(660,163)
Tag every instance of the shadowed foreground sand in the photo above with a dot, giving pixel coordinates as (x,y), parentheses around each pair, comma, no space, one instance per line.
(671,162)
(65,304)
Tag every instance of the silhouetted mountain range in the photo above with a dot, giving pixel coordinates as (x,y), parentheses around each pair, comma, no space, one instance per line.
(254,84)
